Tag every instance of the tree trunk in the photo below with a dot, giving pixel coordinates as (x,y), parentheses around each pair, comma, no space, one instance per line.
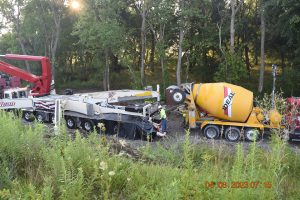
(187,69)
(178,70)
(152,53)
(24,52)
(247,60)
(256,39)
(115,66)
(143,43)
(106,84)
(232,28)
(220,37)
(256,49)
(282,56)
(57,15)
(162,64)
(56,10)
(18,31)
(54,44)
(162,52)
(262,51)
(104,80)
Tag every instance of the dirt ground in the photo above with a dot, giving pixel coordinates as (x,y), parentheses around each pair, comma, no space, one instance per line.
(176,136)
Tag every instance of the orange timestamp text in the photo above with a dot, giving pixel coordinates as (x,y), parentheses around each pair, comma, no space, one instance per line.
(238,184)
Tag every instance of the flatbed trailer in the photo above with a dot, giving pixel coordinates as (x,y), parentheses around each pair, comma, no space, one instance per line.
(113,109)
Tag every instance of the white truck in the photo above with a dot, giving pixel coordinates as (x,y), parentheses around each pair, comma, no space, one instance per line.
(120,111)
(116,110)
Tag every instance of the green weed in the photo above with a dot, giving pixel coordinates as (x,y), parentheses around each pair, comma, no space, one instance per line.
(65,167)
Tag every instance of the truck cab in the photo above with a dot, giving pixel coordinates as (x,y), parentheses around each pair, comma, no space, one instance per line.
(15,93)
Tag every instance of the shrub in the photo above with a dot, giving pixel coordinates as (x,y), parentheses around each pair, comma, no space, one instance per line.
(232,69)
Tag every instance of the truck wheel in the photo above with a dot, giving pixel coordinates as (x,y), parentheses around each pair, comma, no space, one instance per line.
(70,122)
(87,125)
(211,132)
(40,117)
(28,116)
(252,134)
(232,134)
(51,117)
(178,96)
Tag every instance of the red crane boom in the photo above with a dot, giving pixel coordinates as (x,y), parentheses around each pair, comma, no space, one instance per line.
(42,84)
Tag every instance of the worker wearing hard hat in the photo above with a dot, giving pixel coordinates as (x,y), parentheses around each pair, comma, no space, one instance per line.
(163,122)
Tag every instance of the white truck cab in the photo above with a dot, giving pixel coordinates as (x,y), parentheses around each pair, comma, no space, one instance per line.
(15,93)
(16,98)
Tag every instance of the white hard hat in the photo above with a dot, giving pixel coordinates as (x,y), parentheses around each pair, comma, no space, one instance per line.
(159,107)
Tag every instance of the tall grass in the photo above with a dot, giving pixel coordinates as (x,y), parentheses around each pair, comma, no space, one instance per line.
(63,167)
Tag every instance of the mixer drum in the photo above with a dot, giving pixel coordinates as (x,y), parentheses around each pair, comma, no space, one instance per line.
(224,100)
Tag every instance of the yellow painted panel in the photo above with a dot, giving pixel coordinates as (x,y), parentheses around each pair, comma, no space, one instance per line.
(147,93)
(260,126)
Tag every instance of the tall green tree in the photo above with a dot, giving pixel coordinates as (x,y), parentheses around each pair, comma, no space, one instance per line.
(235,5)
(44,31)
(11,10)
(143,6)
(37,24)
(160,18)
(101,31)
(185,11)
(262,47)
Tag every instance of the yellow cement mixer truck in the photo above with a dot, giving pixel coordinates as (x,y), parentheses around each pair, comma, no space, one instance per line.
(223,109)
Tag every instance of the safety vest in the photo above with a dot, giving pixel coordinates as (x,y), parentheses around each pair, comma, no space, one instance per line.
(163,114)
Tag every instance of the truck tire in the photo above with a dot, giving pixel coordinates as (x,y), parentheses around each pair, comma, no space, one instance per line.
(232,134)
(87,125)
(28,116)
(40,117)
(70,122)
(51,117)
(252,134)
(178,96)
(211,132)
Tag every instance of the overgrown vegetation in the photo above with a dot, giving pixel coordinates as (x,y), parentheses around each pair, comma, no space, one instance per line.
(231,69)
(34,167)
(265,103)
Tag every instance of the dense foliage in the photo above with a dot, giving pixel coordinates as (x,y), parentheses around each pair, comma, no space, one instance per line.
(35,167)
(112,44)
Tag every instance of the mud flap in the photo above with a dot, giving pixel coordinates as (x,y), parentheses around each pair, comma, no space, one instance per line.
(127,131)
(136,130)
(129,126)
